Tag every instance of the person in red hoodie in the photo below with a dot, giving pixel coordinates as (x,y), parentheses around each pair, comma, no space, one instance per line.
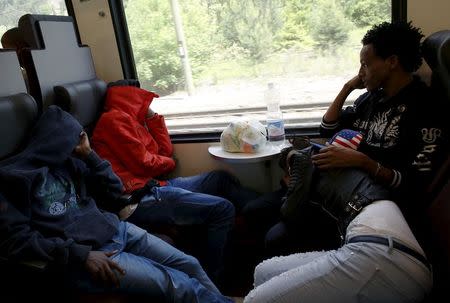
(136,142)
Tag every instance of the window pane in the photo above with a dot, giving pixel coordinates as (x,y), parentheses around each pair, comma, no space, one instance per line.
(12,10)
(233,48)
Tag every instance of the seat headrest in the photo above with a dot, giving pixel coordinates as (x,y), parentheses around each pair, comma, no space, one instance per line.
(436,51)
(434,47)
(30,31)
(84,100)
(13,39)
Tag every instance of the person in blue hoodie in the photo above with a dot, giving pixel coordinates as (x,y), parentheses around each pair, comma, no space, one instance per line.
(48,211)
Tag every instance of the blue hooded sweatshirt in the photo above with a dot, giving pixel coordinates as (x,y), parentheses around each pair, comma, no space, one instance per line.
(48,207)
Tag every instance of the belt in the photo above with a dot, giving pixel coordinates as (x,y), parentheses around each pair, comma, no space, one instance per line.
(395,244)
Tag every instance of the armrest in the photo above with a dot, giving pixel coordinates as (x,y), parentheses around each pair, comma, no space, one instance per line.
(115,203)
(127,211)
(129,199)
(34,265)
(130,202)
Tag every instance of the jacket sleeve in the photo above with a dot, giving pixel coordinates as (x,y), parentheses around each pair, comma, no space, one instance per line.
(345,120)
(103,184)
(19,242)
(426,147)
(122,140)
(157,128)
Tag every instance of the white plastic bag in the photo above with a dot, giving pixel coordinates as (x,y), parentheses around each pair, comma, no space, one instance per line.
(244,137)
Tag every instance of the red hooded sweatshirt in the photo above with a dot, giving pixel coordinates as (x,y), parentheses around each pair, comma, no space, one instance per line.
(139,148)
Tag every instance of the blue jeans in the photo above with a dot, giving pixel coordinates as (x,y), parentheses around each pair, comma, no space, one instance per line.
(155,269)
(194,201)
(217,183)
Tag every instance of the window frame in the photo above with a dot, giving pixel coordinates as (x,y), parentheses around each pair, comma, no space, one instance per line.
(398,13)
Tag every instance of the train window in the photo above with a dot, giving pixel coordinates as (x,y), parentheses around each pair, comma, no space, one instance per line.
(211,60)
(12,10)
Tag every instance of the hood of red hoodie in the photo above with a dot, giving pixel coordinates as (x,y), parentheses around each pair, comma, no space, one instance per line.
(129,99)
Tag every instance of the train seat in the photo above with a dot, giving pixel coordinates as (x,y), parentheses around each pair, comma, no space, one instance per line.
(52,55)
(18,113)
(61,71)
(436,51)
(18,110)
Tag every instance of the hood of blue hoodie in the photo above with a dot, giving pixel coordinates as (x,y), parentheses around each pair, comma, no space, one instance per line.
(51,142)
(49,150)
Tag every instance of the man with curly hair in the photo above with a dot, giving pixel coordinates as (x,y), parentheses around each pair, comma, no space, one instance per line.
(399,118)
(404,136)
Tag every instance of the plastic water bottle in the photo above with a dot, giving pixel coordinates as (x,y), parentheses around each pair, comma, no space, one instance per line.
(274,116)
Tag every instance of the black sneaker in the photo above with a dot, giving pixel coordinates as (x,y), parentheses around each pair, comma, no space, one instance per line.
(297,143)
(300,177)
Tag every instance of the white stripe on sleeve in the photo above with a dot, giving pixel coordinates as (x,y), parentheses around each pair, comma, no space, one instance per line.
(397,180)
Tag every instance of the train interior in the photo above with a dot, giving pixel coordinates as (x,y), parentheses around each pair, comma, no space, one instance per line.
(53,66)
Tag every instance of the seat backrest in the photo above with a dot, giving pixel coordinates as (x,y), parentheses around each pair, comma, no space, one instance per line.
(18,110)
(439,213)
(436,51)
(13,39)
(30,30)
(84,100)
(11,79)
(55,56)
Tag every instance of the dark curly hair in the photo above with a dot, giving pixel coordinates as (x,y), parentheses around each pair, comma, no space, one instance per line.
(397,38)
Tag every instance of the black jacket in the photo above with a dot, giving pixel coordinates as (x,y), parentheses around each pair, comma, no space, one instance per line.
(341,193)
(407,133)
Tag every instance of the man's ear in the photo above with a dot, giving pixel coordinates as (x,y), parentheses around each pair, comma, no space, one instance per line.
(393,62)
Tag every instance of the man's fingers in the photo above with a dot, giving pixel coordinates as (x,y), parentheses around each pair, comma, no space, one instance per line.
(110,253)
(102,275)
(321,163)
(112,264)
(111,276)
(116,266)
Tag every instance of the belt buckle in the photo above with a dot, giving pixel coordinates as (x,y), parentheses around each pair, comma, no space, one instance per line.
(354,205)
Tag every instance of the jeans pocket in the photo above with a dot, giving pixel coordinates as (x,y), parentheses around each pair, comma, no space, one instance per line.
(156,193)
(380,288)
(152,196)
(91,228)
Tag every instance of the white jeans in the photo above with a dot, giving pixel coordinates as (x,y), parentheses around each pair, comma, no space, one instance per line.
(356,272)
